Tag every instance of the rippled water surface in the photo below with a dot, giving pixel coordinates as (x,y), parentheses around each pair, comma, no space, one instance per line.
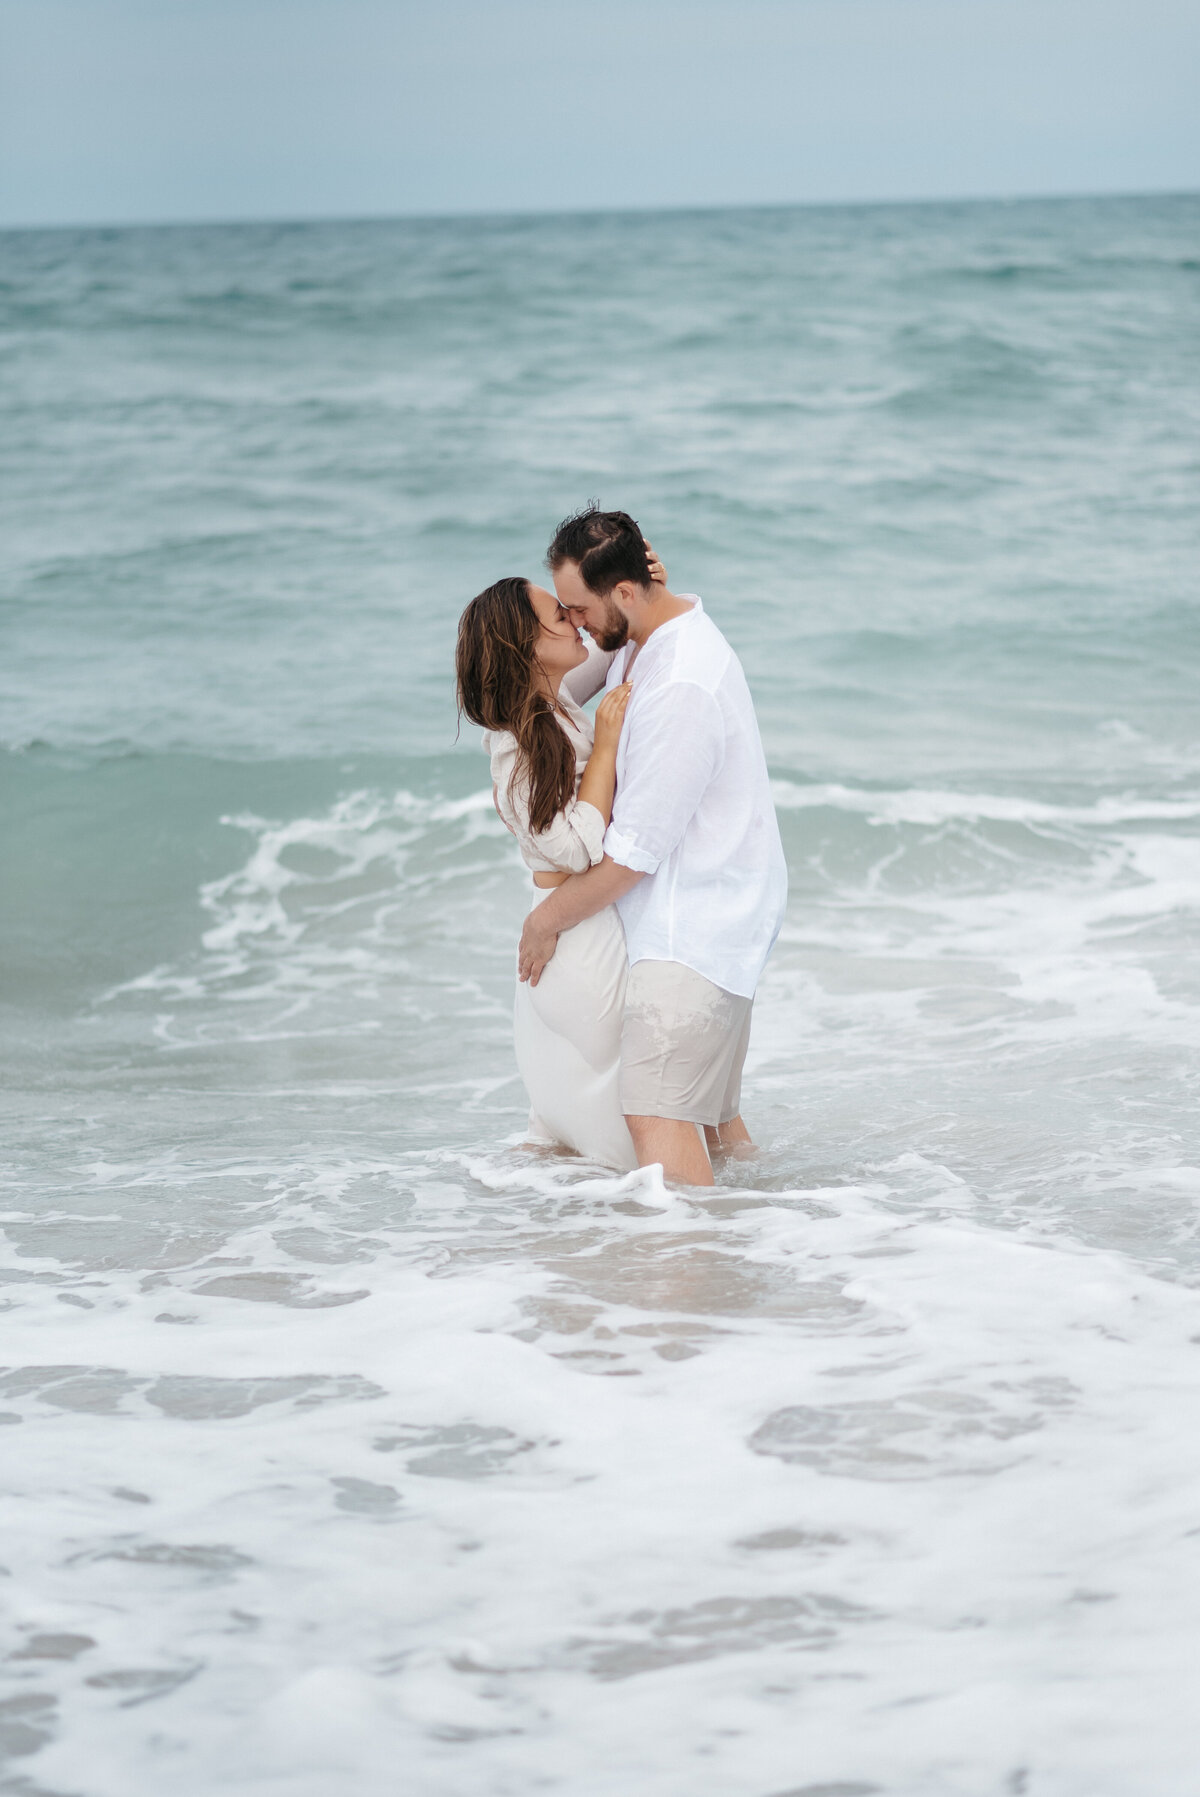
(347,1444)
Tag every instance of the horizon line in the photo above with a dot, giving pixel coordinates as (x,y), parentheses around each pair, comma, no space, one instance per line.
(263,220)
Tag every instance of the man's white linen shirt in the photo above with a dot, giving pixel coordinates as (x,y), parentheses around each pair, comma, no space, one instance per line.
(693,809)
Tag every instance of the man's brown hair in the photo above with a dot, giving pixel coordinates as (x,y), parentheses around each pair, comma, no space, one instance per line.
(608,547)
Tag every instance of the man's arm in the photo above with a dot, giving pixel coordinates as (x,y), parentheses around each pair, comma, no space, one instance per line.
(676,747)
(579,897)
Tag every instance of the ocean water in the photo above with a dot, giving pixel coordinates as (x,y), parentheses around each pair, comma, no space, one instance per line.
(349,1446)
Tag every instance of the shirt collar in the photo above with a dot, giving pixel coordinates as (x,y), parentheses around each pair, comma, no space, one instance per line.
(696,605)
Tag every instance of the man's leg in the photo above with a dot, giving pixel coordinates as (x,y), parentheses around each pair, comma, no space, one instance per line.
(729,1138)
(732,1136)
(678,1145)
(682,1048)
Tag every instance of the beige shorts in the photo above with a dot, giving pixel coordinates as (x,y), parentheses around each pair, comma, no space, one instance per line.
(683,1044)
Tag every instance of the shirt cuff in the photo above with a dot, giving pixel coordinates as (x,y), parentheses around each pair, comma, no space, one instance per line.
(589,822)
(624,850)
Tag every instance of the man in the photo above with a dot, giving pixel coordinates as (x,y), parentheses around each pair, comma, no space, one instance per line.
(692,857)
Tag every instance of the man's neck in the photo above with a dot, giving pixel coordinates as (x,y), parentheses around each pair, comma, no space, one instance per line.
(656,612)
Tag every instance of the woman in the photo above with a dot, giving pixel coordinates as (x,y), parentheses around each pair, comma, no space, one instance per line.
(523,674)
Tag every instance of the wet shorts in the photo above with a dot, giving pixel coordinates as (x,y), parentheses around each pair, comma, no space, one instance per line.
(683,1044)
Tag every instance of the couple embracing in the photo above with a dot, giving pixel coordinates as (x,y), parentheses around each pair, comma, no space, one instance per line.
(659,878)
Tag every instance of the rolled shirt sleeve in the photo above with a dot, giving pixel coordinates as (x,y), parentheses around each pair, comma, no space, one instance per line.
(672,746)
(575,839)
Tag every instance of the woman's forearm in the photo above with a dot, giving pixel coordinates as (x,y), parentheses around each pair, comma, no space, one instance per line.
(599,783)
(576,899)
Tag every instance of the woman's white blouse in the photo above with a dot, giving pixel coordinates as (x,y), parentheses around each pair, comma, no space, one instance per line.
(575,840)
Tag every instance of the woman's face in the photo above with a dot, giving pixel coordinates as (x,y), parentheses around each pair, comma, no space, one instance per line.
(559,646)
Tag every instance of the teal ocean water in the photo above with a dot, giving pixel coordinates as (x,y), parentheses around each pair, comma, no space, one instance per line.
(350,1446)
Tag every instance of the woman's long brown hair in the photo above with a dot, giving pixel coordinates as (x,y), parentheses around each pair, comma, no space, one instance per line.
(498,687)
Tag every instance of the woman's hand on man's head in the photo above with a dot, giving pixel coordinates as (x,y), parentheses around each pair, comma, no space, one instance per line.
(658,574)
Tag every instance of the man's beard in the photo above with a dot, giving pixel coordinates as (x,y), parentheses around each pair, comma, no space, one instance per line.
(615,633)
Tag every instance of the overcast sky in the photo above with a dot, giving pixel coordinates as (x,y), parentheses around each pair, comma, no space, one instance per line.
(127,110)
